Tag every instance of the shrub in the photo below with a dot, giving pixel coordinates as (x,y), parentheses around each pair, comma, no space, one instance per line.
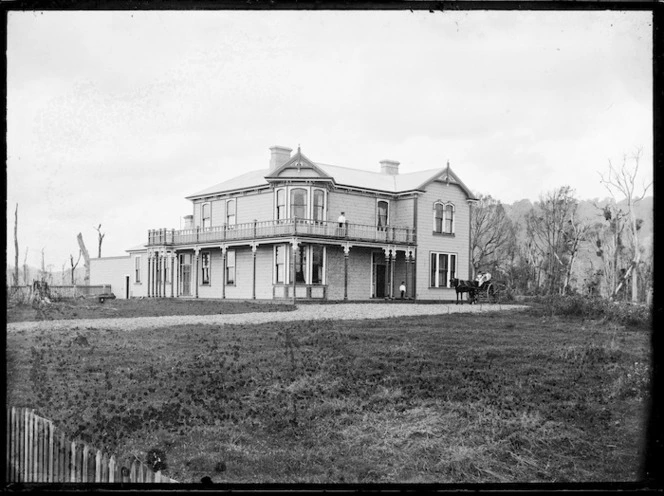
(590,307)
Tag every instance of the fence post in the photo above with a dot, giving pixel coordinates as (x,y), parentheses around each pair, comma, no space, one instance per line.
(39,432)
(51,448)
(84,465)
(10,441)
(104,468)
(133,476)
(73,457)
(66,459)
(32,460)
(98,467)
(111,469)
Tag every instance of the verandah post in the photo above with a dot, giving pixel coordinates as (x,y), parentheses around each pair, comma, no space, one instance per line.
(346,257)
(172,272)
(223,272)
(254,247)
(196,252)
(294,247)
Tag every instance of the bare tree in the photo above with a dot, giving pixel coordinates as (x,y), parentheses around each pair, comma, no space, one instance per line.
(100,238)
(490,234)
(86,258)
(42,272)
(574,233)
(555,233)
(622,181)
(25,267)
(73,267)
(63,273)
(609,245)
(16,246)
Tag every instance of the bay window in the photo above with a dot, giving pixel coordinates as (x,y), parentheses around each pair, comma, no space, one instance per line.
(298,200)
(319,205)
(281,204)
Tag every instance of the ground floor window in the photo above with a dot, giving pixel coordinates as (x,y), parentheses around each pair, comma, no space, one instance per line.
(230,267)
(205,267)
(317,264)
(137,270)
(443,268)
(301,264)
(185,274)
(309,263)
(280,264)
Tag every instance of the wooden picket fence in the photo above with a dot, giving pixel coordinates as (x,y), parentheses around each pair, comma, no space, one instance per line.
(38,452)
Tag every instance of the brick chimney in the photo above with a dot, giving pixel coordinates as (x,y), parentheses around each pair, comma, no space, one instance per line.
(280,155)
(390,167)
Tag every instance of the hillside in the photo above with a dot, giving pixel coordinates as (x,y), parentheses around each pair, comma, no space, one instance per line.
(589,212)
(57,278)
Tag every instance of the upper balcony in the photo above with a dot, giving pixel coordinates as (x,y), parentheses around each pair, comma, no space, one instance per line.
(281,229)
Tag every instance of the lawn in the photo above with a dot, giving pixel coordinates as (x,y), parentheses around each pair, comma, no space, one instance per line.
(90,308)
(504,397)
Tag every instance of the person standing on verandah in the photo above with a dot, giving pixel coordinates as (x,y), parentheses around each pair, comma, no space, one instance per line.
(342,224)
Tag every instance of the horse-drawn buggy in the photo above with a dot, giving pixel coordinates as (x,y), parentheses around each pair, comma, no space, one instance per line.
(483,290)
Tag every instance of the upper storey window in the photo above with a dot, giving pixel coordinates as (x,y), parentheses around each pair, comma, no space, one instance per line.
(205,215)
(298,203)
(319,205)
(443,218)
(448,225)
(383,210)
(230,212)
(281,204)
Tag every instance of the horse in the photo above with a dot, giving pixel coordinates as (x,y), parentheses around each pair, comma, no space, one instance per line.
(462,286)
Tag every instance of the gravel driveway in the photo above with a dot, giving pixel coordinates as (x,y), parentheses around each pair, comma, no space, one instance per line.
(342,311)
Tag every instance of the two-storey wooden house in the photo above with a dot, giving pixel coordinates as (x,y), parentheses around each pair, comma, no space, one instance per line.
(275,234)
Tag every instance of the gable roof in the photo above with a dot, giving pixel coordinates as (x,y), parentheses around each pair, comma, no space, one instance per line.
(340,176)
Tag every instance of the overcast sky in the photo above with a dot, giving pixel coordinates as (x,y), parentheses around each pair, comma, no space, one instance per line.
(114,117)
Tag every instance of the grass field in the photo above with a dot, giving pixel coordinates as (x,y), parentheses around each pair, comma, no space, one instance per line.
(504,397)
(90,308)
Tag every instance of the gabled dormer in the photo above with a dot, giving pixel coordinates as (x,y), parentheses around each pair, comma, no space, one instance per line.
(297,169)
(447,176)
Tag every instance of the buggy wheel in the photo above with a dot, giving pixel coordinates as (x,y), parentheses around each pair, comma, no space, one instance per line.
(491,293)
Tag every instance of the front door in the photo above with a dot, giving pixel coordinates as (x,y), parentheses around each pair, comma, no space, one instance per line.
(379,275)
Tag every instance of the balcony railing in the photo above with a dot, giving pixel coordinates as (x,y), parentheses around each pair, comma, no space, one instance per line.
(281,228)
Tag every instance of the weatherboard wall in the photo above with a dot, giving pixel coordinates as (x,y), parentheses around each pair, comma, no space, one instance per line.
(428,241)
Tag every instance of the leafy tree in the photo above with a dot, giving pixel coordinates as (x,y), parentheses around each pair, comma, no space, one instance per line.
(492,235)
(554,234)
